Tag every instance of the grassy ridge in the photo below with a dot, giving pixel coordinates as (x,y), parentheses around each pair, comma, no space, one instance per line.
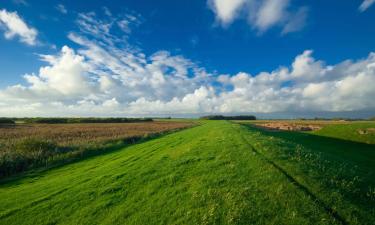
(203,175)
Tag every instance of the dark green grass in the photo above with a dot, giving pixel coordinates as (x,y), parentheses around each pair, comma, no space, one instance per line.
(340,173)
(204,175)
(350,132)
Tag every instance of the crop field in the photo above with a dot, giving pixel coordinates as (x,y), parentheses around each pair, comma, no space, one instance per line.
(30,145)
(78,134)
(219,172)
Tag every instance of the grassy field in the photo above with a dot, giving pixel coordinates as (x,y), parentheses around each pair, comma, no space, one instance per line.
(357,131)
(217,173)
(25,146)
(339,172)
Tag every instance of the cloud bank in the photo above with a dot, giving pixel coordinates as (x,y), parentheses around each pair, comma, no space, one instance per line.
(108,76)
(13,25)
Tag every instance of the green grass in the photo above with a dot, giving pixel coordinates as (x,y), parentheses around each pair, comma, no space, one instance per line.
(350,132)
(338,172)
(216,173)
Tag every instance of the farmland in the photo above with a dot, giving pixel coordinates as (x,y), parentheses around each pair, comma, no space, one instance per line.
(30,145)
(219,172)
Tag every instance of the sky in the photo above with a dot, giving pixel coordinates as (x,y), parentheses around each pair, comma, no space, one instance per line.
(273,58)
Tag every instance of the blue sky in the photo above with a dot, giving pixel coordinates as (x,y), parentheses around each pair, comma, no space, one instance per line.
(186,57)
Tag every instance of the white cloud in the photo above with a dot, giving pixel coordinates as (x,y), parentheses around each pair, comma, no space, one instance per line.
(107,76)
(365,5)
(15,26)
(226,10)
(63,79)
(296,21)
(270,13)
(262,14)
(61,8)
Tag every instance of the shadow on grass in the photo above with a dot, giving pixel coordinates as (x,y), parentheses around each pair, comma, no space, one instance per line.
(75,155)
(331,211)
(349,166)
(343,150)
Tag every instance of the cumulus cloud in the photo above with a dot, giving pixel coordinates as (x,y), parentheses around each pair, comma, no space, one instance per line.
(105,72)
(365,5)
(261,14)
(107,76)
(13,25)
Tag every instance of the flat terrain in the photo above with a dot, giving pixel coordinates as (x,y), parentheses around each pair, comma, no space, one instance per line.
(216,173)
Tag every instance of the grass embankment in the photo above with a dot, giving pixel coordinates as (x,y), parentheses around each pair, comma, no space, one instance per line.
(338,173)
(28,146)
(204,175)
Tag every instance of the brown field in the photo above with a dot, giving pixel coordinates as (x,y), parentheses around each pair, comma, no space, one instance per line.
(294,125)
(78,134)
(289,126)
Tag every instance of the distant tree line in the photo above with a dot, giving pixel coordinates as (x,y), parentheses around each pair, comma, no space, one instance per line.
(221,117)
(6,121)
